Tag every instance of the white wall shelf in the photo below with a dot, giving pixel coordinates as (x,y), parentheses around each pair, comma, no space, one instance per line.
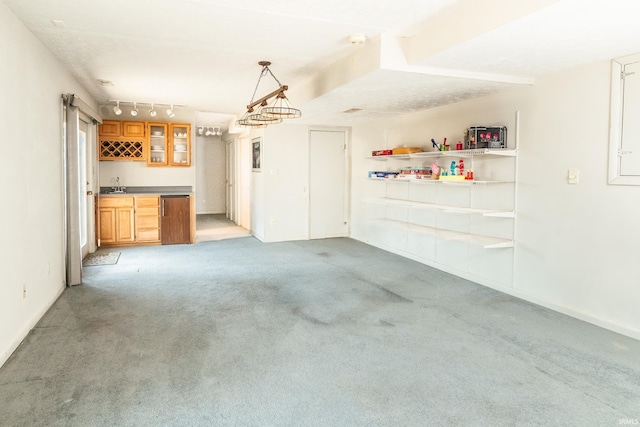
(466,226)
(440,182)
(503,152)
(486,242)
(388,201)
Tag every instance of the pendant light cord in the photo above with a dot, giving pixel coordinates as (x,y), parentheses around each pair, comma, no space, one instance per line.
(265,70)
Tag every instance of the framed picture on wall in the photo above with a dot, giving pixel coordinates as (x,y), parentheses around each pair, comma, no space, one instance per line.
(255,142)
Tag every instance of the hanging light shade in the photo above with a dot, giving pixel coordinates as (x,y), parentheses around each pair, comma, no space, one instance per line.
(282,108)
(266,114)
(259,117)
(246,122)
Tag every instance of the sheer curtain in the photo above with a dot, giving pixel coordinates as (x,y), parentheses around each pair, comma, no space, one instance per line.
(72,108)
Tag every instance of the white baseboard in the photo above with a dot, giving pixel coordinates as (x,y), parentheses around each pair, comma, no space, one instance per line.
(33,321)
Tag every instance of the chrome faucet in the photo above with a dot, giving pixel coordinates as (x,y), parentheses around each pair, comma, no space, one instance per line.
(117,188)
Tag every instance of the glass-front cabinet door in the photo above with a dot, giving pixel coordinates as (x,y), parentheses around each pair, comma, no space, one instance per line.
(158,143)
(180,146)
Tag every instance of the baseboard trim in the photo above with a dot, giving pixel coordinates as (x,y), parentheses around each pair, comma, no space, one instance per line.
(33,321)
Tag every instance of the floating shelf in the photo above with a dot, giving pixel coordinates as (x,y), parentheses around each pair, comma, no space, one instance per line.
(387,201)
(487,242)
(437,181)
(504,152)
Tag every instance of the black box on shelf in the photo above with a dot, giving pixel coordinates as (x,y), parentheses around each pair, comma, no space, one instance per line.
(486,137)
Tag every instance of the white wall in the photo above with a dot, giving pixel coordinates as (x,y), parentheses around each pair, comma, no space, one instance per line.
(31,224)
(576,245)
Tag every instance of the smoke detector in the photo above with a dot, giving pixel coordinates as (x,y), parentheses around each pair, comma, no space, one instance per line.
(357,38)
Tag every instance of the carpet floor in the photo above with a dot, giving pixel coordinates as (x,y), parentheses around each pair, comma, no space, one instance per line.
(316,333)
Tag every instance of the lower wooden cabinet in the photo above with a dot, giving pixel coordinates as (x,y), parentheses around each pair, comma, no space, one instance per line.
(145,220)
(116,220)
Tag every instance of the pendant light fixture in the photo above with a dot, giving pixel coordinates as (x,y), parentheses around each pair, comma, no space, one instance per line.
(267,114)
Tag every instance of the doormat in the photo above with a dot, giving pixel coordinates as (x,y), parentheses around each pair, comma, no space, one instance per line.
(101,259)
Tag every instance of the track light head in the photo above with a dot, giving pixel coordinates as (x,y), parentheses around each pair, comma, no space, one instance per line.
(134,112)
(152,111)
(170,112)
(116,108)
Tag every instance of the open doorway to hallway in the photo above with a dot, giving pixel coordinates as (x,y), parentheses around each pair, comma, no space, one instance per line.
(217,227)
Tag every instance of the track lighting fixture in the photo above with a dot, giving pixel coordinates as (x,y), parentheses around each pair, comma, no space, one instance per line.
(209,131)
(134,111)
(267,114)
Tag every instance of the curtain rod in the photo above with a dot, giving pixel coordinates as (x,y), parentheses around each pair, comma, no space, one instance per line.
(74,101)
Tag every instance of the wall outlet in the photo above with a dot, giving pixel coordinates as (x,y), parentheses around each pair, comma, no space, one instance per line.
(24,290)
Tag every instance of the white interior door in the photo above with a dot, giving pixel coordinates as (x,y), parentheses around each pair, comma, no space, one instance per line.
(328,213)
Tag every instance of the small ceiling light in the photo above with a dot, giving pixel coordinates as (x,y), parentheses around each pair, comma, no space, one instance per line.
(170,112)
(357,38)
(116,108)
(134,112)
(152,112)
(280,109)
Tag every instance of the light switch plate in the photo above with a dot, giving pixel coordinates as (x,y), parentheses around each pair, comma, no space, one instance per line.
(573,176)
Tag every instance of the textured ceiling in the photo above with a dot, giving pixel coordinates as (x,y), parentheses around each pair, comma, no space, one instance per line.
(203,54)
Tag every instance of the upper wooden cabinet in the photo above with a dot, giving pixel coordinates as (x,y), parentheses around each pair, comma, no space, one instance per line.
(136,129)
(157,145)
(119,140)
(169,144)
(180,144)
(110,128)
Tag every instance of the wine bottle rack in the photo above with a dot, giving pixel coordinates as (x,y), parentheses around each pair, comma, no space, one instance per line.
(112,149)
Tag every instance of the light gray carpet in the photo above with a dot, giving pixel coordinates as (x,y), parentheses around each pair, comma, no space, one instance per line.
(322,333)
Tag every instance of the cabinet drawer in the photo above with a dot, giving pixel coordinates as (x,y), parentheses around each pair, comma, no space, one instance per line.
(116,201)
(147,211)
(147,202)
(152,235)
(148,222)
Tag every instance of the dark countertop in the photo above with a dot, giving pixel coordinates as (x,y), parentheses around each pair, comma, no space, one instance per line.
(185,190)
